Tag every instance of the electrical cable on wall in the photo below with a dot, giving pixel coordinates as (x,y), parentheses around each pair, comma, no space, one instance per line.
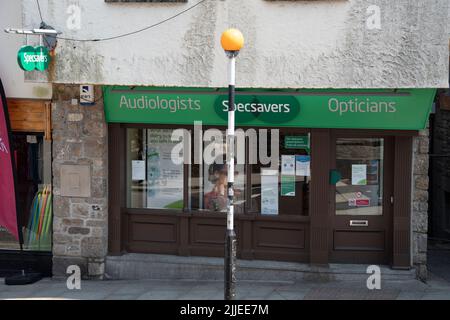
(40,13)
(128,33)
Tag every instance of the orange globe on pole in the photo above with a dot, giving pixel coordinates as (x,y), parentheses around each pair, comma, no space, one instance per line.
(232,40)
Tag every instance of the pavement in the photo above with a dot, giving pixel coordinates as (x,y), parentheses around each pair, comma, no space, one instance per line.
(435,289)
(438,257)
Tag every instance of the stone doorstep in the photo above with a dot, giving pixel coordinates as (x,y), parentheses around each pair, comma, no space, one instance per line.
(135,266)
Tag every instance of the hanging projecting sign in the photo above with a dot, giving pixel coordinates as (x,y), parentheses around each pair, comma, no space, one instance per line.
(33,58)
(403,109)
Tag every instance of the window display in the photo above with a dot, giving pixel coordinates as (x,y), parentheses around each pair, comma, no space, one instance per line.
(292,178)
(154,180)
(360,162)
(212,190)
(35,210)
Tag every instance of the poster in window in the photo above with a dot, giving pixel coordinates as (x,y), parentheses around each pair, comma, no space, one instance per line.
(137,170)
(359,174)
(164,177)
(288,165)
(302,165)
(288,186)
(269,192)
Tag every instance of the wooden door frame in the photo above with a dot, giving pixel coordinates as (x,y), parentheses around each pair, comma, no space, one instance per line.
(321,208)
(388,192)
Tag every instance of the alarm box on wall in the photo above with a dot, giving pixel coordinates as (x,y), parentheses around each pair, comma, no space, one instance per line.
(87,96)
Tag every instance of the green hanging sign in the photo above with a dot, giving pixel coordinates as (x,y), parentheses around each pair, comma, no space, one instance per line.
(402,109)
(33,58)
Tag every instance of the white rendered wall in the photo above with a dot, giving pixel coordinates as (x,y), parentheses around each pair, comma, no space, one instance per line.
(296,44)
(10,73)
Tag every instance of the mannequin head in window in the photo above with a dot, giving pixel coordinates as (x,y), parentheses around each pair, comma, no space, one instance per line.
(216,198)
(218,174)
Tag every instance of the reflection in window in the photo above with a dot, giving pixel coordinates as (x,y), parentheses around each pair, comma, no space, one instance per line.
(360,162)
(153,179)
(209,180)
(276,192)
(32,154)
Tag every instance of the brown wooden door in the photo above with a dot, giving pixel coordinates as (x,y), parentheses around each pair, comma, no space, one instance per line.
(361,208)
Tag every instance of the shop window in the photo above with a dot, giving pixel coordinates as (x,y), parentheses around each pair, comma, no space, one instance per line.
(33,162)
(261,185)
(283,190)
(154,181)
(209,179)
(360,190)
(272,171)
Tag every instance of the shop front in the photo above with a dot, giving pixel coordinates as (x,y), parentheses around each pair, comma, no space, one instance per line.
(322,176)
(31,143)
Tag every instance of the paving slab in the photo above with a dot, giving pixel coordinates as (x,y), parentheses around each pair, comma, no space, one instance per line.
(196,294)
(163,295)
(292,294)
(438,289)
(410,295)
(324,293)
(121,297)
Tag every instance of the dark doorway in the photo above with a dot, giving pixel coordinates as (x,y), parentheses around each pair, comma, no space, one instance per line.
(29,157)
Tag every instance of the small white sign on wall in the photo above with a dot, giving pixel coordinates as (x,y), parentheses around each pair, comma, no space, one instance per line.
(87,96)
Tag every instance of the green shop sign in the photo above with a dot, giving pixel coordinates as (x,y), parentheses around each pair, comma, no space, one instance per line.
(33,58)
(405,109)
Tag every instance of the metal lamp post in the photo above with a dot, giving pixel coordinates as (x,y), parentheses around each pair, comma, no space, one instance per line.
(232,42)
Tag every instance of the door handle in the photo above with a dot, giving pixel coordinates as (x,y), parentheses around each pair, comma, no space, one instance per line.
(359,223)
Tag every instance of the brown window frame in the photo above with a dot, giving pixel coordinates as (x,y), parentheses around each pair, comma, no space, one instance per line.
(247,211)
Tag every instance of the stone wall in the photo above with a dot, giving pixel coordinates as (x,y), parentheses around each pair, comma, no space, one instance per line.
(80,223)
(419,212)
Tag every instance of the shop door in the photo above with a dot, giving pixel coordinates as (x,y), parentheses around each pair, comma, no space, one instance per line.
(362,210)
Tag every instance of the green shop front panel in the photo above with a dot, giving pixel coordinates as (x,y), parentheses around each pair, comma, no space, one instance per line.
(404,109)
